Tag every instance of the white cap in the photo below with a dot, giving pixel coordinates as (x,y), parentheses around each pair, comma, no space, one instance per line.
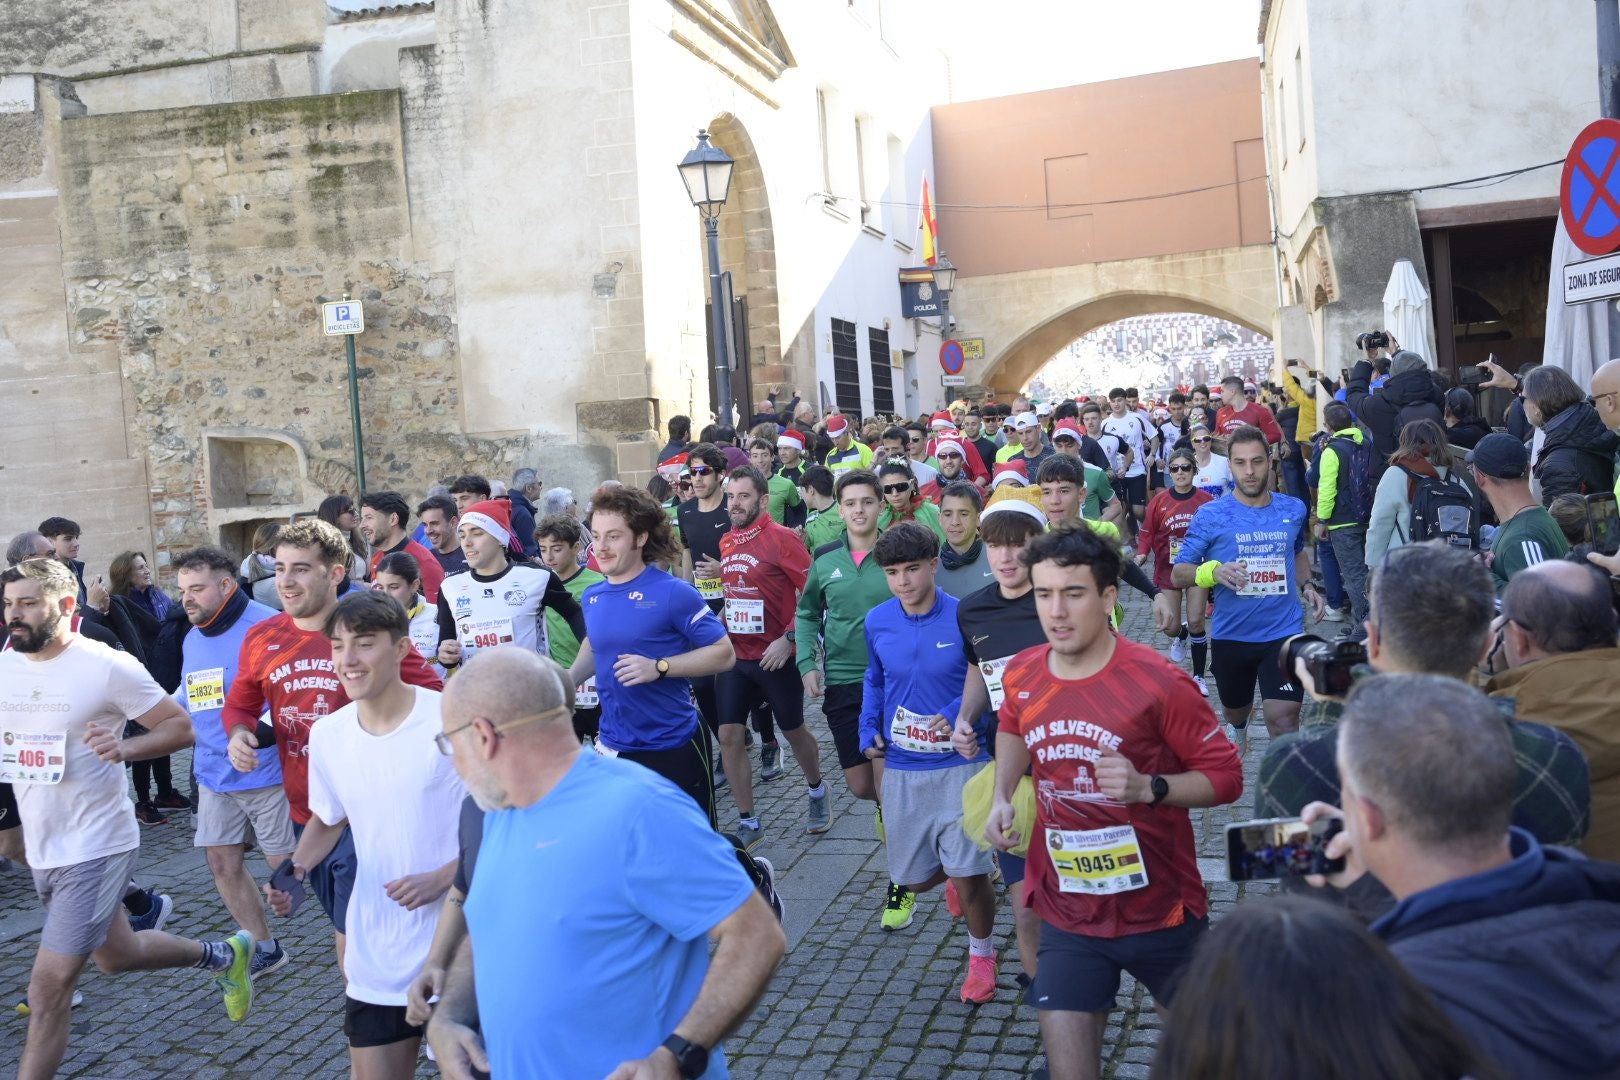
(1024,421)
(1043,409)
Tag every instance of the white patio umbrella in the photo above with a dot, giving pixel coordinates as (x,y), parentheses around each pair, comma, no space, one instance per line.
(1407,314)
(1577,335)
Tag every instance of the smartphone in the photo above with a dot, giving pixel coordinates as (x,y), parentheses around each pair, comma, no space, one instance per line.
(1603,522)
(1280,847)
(283,880)
(1472,375)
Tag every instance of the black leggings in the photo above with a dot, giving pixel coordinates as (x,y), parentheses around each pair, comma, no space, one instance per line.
(704,690)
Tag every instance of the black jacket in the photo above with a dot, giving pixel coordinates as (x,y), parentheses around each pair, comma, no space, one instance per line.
(166,661)
(1411,395)
(1577,454)
(523,523)
(1468,433)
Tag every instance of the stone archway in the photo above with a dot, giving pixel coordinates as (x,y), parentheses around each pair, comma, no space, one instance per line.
(748,251)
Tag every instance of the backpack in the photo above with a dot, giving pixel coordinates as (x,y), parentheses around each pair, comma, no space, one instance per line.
(1357,458)
(1441,510)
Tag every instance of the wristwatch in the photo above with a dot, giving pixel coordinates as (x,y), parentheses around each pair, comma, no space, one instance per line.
(691,1059)
(1160,788)
(663,668)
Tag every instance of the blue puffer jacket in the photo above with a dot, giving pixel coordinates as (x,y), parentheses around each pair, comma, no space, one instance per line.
(1525,959)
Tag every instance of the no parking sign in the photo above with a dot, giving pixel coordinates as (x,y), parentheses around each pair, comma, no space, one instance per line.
(1589,194)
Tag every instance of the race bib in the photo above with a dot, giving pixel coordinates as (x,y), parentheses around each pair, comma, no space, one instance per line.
(1268,576)
(1175,549)
(992,670)
(911,731)
(486,633)
(745,616)
(605,751)
(1097,862)
(205,689)
(32,757)
(585,696)
(710,588)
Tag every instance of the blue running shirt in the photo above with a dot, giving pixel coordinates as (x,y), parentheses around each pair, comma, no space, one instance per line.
(658,616)
(1267,537)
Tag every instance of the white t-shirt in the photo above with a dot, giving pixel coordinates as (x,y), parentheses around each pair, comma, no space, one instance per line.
(1215,478)
(402,798)
(45,708)
(1128,430)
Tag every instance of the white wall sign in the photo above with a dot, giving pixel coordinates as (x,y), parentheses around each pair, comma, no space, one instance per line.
(1593,279)
(16,93)
(343,317)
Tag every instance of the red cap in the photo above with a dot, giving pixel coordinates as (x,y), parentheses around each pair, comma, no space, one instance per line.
(837,425)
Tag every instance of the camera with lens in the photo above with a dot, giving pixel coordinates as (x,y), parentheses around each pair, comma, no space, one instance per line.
(1372,339)
(1331,664)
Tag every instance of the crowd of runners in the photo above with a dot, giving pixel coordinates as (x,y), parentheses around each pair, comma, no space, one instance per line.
(514,755)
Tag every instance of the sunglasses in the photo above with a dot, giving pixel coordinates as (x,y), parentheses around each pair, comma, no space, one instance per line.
(701,470)
(895,489)
(1202,438)
(687,484)
(1181,468)
(946,456)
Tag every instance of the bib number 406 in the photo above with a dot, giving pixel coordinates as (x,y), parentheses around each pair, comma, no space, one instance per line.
(31,759)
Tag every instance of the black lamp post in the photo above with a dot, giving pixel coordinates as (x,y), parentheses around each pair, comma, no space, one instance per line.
(706,172)
(944,281)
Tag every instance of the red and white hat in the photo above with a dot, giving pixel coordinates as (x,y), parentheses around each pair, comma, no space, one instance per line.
(941,421)
(1007,472)
(1066,429)
(790,440)
(494,516)
(670,468)
(1016,506)
(837,425)
(949,446)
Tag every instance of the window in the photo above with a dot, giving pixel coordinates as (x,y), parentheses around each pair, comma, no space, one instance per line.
(877,341)
(1299,95)
(868,214)
(846,367)
(826,147)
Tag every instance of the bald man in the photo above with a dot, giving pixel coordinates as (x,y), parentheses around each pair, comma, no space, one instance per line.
(633,928)
(1606,399)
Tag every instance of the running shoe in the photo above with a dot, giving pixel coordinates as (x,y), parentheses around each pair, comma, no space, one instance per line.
(22,1006)
(1333,614)
(1178,650)
(147,814)
(172,801)
(820,816)
(748,835)
(882,839)
(266,962)
(720,780)
(1240,737)
(767,886)
(1203,687)
(953,902)
(980,984)
(898,910)
(236,981)
(156,915)
(770,761)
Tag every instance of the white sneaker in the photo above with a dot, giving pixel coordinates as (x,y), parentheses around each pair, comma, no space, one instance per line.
(1240,739)
(1178,650)
(1333,614)
(1202,688)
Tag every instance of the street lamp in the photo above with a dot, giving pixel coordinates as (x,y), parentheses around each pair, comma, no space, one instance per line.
(944,281)
(706,172)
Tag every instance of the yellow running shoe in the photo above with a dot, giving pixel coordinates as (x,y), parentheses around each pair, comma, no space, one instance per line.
(237,981)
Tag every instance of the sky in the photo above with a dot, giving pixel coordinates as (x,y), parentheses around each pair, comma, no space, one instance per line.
(1014,46)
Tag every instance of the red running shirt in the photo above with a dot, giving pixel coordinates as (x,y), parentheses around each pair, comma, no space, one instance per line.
(290,672)
(1164,526)
(432,571)
(763,568)
(1152,714)
(1254,414)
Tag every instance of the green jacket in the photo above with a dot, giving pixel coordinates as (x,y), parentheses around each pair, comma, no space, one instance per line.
(781,495)
(925,513)
(1327,491)
(822,527)
(836,598)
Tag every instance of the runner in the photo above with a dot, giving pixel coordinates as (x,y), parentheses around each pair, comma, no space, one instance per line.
(1249,547)
(232,806)
(561,539)
(1120,746)
(439,516)
(784,493)
(1239,410)
(1214,473)
(400,576)
(700,522)
(913,687)
(964,563)
(1134,438)
(764,567)
(376,775)
(1100,502)
(498,601)
(822,523)
(286,669)
(998,622)
(847,451)
(1163,530)
(65,700)
(384,516)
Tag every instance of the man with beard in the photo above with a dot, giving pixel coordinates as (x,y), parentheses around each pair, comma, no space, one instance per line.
(65,701)
(232,806)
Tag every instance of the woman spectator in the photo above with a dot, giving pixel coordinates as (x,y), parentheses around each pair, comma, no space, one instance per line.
(1421,450)
(1293,987)
(1577,447)
(258,570)
(400,576)
(1464,426)
(129,583)
(338,511)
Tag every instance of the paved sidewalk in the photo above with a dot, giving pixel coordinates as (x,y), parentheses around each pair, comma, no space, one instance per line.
(849,1000)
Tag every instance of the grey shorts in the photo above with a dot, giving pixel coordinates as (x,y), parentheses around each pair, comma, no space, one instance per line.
(230,817)
(922,818)
(81,900)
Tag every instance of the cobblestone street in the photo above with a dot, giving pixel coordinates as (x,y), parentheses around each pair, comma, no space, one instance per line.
(849,1000)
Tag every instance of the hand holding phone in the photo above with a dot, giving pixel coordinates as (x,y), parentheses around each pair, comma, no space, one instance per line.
(286,889)
(1271,848)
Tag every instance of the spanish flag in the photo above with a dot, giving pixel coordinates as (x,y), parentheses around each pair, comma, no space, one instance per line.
(929,227)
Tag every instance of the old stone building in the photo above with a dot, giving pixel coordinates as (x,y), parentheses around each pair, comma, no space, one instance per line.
(183,182)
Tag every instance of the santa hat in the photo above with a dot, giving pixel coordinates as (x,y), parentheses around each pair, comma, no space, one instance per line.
(671,467)
(941,421)
(837,425)
(945,446)
(1015,506)
(1008,472)
(790,440)
(1065,429)
(494,516)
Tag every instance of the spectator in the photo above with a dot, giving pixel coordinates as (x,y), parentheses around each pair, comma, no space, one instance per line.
(1344,503)
(1431,614)
(1287,1018)
(1577,449)
(680,437)
(1569,510)
(1528,535)
(30,544)
(1421,452)
(145,607)
(340,512)
(63,534)
(559,500)
(1409,394)
(1515,941)
(1303,396)
(524,490)
(1464,427)
(1558,634)
(258,569)
(1606,400)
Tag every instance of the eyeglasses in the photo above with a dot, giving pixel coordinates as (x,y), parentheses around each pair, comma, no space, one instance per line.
(1201,438)
(685,485)
(701,470)
(895,489)
(442,739)
(1593,399)
(1181,468)
(947,456)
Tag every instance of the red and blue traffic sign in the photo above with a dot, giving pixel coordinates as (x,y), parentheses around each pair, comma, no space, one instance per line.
(952,358)
(1589,194)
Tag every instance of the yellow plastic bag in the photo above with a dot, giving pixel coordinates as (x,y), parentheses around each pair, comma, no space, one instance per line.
(977,795)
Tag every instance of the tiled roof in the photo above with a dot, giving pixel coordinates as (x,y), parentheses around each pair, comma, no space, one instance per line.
(381,12)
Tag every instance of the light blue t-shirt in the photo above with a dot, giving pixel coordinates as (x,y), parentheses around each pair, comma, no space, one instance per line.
(657,616)
(1267,537)
(589,916)
(208,667)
